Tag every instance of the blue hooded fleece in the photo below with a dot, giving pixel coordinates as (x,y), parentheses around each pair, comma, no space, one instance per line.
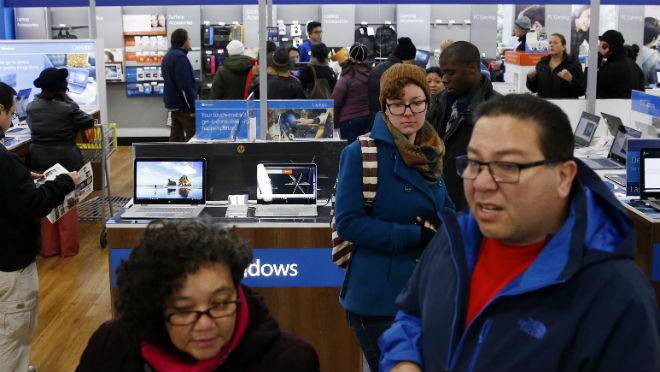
(583,304)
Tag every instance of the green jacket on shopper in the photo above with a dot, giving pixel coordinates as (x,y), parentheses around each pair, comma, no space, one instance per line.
(229,81)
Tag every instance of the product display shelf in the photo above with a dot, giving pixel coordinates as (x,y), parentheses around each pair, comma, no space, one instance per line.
(143,55)
(215,38)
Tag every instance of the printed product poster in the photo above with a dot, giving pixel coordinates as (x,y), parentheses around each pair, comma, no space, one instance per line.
(580,23)
(299,119)
(84,188)
(535,13)
(22,62)
(144,23)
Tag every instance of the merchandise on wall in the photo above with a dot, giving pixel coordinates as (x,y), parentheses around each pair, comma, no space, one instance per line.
(215,38)
(380,39)
(21,62)
(145,44)
(114,65)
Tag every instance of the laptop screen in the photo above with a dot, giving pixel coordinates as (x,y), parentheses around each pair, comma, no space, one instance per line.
(586,128)
(286,184)
(170,181)
(78,76)
(620,144)
(613,123)
(649,173)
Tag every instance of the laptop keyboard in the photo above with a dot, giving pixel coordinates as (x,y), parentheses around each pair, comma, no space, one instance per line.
(284,211)
(605,162)
(164,211)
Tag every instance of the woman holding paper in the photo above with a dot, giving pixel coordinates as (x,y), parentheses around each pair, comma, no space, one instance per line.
(55,120)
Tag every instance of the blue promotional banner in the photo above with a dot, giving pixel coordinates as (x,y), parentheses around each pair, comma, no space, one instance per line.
(646,104)
(632,162)
(274,267)
(223,120)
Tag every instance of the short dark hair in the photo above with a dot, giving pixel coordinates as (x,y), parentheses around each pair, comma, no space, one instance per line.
(7,95)
(169,252)
(651,29)
(463,52)
(179,37)
(555,132)
(320,52)
(312,25)
(434,70)
(561,38)
(293,49)
(270,46)
(632,51)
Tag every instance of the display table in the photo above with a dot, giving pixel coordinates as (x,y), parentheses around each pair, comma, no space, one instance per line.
(518,65)
(647,255)
(304,301)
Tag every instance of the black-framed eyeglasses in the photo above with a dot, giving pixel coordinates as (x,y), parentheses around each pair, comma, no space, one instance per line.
(14,115)
(217,311)
(399,109)
(501,171)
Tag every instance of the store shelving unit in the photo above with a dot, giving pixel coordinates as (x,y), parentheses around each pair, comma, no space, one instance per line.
(143,54)
(215,38)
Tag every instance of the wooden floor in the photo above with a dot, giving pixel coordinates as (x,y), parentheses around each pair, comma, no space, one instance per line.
(75,298)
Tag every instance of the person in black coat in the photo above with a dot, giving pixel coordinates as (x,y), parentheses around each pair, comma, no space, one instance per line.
(321,71)
(281,85)
(404,52)
(557,75)
(181,306)
(21,204)
(639,82)
(614,74)
(55,120)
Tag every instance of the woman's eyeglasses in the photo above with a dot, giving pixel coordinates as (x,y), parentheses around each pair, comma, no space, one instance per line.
(399,109)
(219,310)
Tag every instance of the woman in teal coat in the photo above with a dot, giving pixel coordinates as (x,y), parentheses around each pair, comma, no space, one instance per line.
(390,236)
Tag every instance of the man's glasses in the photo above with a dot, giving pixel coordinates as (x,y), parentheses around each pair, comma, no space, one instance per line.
(219,310)
(501,171)
(399,109)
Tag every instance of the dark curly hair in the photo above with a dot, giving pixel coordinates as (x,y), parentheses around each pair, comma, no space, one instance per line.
(169,252)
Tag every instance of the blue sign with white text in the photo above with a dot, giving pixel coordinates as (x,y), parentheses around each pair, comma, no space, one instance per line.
(223,120)
(644,103)
(274,267)
(633,176)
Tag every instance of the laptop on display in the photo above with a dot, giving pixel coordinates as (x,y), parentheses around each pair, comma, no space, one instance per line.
(585,130)
(286,190)
(77,79)
(168,188)
(616,159)
(613,123)
(649,176)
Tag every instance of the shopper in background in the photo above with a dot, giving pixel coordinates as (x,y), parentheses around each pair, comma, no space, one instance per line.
(21,205)
(521,27)
(649,58)
(451,110)
(404,52)
(229,81)
(253,75)
(55,120)
(351,107)
(434,80)
(314,34)
(614,71)
(180,88)
(281,85)
(557,75)
(636,73)
(182,307)
(317,78)
(390,236)
(294,54)
(539,275)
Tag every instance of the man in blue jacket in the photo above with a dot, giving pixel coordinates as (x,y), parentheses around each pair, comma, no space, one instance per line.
(539,274)
(180,88)
(314,34)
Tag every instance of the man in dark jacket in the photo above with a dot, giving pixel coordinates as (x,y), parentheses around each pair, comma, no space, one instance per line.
(180,88)
(281,85)
(451,111)
(229,82)
(539,276)
(403,53)
(614,75)
(21,204)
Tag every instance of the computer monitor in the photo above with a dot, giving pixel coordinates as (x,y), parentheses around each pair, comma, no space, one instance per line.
(649,172)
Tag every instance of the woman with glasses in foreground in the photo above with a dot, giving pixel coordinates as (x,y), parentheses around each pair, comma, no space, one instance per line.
(389,235)
(181,307)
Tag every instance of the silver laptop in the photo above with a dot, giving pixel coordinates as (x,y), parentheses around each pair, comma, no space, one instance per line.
(585,130)
(649,177)
(616,159)
(286,190)
(167,188)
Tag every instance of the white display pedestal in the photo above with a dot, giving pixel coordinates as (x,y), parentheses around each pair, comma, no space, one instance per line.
(518,65)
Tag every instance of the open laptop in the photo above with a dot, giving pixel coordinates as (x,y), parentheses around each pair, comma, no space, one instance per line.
(168,188)
(649,176)
(585,130)
(77,79)
(616,159)
(613,123)
(286,190)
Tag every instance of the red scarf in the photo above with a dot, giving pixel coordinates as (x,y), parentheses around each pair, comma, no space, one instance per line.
(161,361)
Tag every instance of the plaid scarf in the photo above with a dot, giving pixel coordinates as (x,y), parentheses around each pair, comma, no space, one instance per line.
(425,155)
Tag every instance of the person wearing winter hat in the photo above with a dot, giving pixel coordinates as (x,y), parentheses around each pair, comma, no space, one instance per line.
(55,120)
(230,79)
(615,79)
(390,236)
(404,52)
(521,27)
(281,85)
(350,95)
